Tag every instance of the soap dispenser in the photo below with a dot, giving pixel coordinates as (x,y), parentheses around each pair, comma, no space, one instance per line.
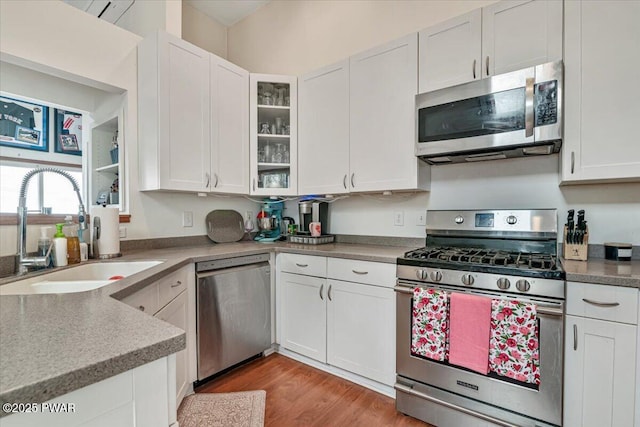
(44,243)
(59,247)
(73,243)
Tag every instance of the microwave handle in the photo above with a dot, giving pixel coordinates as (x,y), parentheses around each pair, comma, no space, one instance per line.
(528,108)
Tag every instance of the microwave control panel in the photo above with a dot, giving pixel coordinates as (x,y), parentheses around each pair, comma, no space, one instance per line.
(546,103)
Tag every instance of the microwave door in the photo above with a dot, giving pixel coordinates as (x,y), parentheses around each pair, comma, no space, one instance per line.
(480,115)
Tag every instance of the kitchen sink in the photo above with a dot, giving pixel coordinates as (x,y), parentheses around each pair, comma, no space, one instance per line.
(82,278)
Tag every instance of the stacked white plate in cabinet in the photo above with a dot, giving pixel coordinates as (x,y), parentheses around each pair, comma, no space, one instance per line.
(225,226)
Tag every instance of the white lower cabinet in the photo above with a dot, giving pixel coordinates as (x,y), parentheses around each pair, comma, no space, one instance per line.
(304,320)
(172,299)
(360,325)
(340,323)
(600,356)
(135,398)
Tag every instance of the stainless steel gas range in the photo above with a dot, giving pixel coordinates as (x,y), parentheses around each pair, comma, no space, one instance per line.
(503,255)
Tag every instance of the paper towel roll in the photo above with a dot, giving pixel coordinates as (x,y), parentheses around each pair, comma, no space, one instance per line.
(108,242)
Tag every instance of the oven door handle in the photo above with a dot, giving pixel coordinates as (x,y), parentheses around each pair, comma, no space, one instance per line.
(408,390)
(541,308)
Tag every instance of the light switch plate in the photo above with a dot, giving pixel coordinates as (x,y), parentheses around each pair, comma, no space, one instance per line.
(187,219)
(398,218)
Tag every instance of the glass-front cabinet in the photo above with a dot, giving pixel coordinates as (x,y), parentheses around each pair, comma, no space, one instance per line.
(274,130)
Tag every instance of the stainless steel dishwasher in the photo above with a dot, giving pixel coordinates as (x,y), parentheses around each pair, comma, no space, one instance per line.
(233,301)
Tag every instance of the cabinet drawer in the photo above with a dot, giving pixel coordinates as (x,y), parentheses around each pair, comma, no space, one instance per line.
(303,264)
(372,273)
(146,299)
(603,302)
(171,285)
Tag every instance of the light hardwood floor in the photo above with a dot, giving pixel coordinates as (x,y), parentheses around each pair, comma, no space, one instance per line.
(299,395)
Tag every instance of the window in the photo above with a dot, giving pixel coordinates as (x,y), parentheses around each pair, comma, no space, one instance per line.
(46,189)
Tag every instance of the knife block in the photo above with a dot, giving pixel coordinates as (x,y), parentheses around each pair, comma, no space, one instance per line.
(575,251)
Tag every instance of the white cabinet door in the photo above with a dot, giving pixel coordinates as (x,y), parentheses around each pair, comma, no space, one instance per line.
(176,313)
(323,132)
(383,83)
(602,60)
(520,34)
(174,114)
(450,52)
(361,330)
(303,315)
(600,364)
(229,127)
(273,134)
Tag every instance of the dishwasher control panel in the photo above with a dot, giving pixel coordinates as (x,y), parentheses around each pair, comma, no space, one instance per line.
(218,264)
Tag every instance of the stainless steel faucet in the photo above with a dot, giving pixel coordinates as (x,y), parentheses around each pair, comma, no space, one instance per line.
(23,262)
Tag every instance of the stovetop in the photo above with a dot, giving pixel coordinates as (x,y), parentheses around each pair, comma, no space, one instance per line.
(483,260)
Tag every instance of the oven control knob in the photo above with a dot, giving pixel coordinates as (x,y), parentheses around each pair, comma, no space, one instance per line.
(504,283)
(421,274)
(511,219)
(467,279)
(523,285)
(436,276)
(459,219)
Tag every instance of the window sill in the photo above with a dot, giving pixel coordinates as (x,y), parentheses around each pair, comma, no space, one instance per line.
(39,219)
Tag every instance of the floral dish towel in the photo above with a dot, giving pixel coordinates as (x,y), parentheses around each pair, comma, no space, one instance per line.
(430,323)
(513,349)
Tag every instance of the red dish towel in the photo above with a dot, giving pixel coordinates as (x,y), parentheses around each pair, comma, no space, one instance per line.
(469,331)
(430,323)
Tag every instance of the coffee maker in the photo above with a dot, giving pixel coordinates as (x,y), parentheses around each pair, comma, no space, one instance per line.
(312,210)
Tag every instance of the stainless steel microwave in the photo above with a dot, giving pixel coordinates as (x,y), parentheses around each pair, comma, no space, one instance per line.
(509,115)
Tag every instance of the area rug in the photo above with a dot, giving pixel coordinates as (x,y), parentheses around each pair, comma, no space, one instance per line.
(241,409)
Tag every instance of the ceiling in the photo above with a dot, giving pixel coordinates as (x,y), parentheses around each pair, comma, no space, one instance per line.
(227,12)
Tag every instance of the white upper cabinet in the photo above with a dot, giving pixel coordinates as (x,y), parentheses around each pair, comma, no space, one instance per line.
(383,82)
(323,133)
(602,63)
(450,52)
(502,37)
(174,149)
(229,127)
(193,119)
(520,34)
(273,130)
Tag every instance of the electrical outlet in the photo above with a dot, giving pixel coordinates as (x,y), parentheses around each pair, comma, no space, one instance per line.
(421,219)
(398,218)
(187,219)
(248,215)
(123,232)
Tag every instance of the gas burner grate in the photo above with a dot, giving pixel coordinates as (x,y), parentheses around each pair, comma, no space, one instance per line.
(523,260)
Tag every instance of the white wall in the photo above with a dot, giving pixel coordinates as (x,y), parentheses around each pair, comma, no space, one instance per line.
(101,54)
(145,17)
(296,37)
(293,37)
(202,31)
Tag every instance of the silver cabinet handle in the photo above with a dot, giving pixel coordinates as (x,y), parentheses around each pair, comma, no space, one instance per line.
(344,181)
(141,308)
(208,179)
(329,293)
(254,184)
(216,177)
(178,283)
(360,272)
(528,108)
(601,304)
(573,161)
(302,265)
(353,175)
(321,288)
(487,65)
(575,337)
(474,69)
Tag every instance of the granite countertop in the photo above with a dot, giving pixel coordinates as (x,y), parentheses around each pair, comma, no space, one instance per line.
(52,344)
(604,272)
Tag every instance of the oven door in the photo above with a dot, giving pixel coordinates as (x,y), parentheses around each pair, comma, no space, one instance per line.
(544,404)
